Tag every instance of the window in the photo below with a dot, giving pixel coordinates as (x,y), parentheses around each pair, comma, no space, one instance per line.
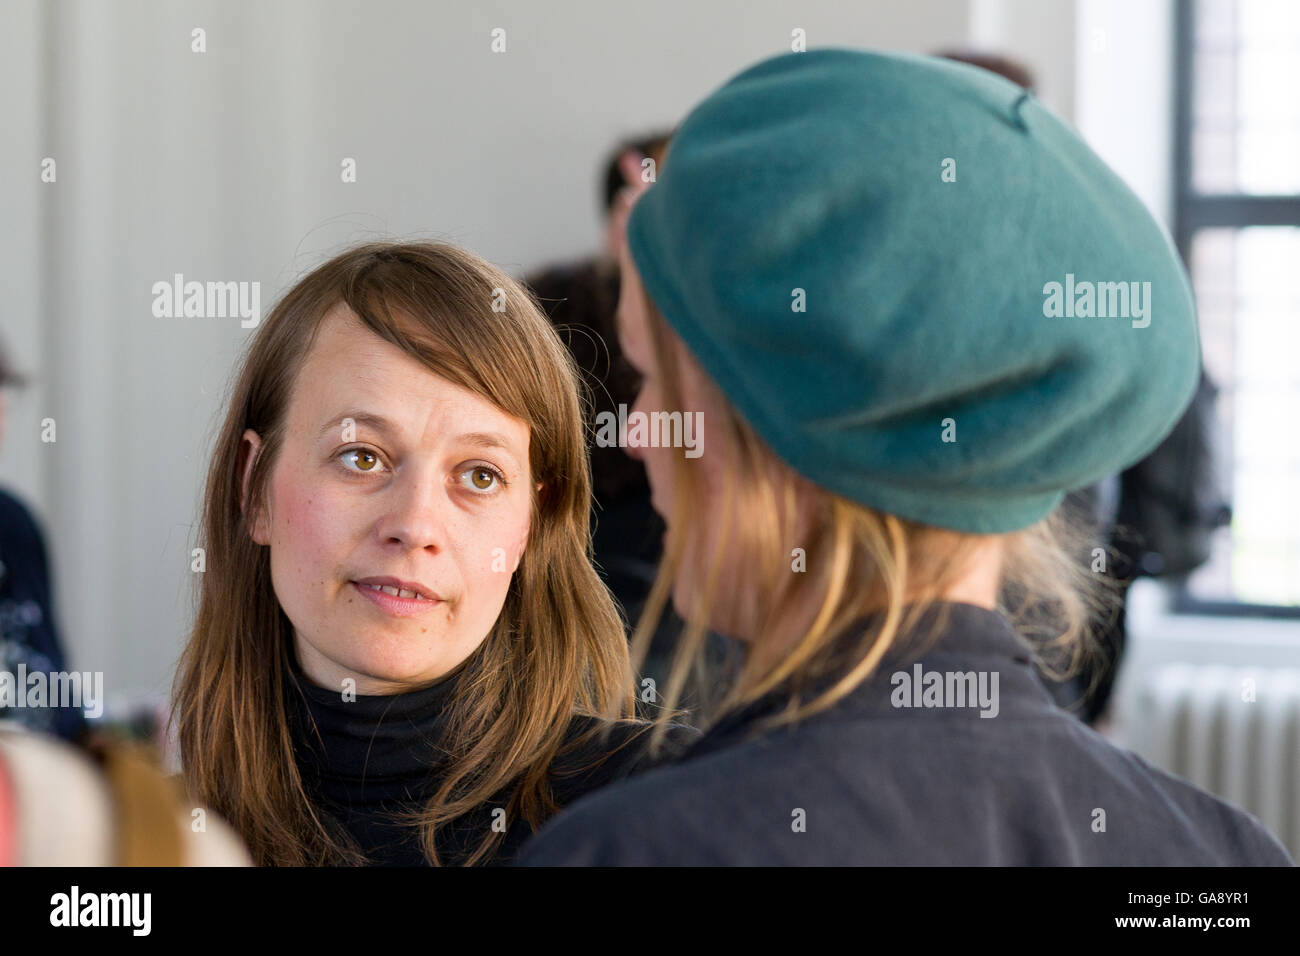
(1237,223)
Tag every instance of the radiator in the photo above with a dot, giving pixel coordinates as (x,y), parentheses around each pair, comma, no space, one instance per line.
(1196,721)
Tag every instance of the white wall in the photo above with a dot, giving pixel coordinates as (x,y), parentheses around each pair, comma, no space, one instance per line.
(1125,93)
(1040,34)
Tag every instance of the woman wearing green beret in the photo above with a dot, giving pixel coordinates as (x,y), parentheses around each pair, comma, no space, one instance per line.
(854,267)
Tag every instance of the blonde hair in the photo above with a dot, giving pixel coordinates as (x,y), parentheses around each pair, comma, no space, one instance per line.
(867,562)
(558,647)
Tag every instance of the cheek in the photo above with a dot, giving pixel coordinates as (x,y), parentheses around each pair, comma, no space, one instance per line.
(660,472)
(489,547)
(658,462)
(307,533)
(301,520)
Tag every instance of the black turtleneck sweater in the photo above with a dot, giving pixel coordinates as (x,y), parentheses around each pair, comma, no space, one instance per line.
(363,759)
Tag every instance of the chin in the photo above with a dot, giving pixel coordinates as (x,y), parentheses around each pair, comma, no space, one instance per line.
(680,601)
(397,666)
(682,598)
(720,616)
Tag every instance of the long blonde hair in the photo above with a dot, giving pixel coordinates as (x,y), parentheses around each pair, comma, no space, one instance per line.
(864,562)
(558,647)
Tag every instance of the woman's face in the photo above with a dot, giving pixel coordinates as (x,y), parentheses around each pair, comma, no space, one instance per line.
(390,475)
(726,615)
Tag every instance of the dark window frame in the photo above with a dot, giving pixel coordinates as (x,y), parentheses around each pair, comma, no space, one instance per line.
(1192,212)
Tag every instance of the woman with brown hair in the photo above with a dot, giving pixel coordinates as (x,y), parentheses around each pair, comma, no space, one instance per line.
(401,645)
(850,266)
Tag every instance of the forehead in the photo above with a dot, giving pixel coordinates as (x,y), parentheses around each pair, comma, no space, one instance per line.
(344,351)
(350,366)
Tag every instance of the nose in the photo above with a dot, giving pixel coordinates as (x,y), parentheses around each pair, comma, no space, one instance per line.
(418,505)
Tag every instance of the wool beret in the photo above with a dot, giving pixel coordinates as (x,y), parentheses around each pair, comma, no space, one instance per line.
(919,286)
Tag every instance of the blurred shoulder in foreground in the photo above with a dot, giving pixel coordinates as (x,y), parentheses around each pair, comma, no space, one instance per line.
(105,804)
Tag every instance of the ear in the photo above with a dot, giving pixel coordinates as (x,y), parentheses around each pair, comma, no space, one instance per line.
(250,447)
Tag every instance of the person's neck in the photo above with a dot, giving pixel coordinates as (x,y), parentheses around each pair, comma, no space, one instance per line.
(978,584)
(331,676)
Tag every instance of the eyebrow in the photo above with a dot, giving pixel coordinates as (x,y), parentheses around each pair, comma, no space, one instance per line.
(384,426)
(377,422)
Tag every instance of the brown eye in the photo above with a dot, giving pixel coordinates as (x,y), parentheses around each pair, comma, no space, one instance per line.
(483,479)
(364,460)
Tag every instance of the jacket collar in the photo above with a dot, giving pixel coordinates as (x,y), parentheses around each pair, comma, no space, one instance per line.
(916,678)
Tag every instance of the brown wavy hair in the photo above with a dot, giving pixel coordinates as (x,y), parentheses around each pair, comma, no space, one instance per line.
(558,647)
(863,565)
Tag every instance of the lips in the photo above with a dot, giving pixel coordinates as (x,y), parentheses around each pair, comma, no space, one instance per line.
(397,601)
(396,587)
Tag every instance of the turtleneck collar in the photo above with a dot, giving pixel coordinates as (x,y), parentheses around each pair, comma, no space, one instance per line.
(371,750)
(369,759)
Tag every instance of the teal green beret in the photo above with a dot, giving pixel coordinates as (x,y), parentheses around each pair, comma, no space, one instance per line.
(920,287)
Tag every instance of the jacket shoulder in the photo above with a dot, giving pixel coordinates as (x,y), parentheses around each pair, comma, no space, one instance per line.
(1238,837)
(664,817)
(597,753)
(886,795)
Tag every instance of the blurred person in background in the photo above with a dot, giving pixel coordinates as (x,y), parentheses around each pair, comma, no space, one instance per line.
(29,636)
(70,795)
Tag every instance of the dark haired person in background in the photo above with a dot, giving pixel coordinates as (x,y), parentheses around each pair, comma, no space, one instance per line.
(1013,70)
(28,634)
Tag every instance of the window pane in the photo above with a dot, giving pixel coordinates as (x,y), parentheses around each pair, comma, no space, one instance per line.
(1246,97)
(1248,297)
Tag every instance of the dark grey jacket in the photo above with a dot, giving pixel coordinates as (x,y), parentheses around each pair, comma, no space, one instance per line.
(873,782)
